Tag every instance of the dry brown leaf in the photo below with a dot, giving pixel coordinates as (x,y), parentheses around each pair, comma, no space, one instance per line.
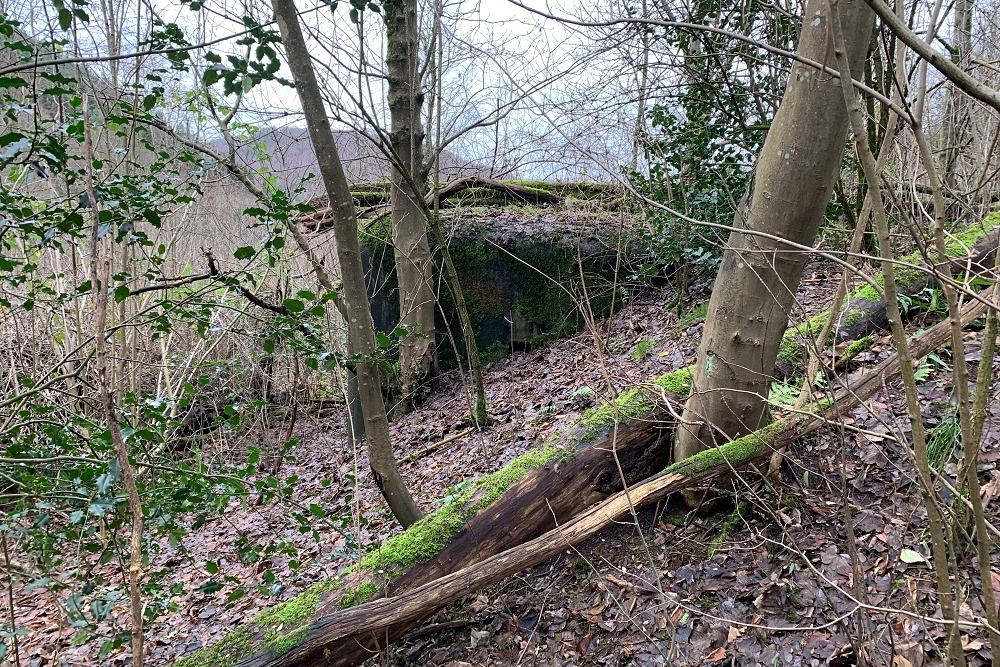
(716,655)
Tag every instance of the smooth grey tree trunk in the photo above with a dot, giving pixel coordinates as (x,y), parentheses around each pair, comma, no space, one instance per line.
(408,183)
(360,331)
(753,293)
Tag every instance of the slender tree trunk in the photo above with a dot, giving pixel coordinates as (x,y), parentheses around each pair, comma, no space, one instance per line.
(100,280)
(758,278)
(639,138)
(409,226)
(360,332)
(957,131)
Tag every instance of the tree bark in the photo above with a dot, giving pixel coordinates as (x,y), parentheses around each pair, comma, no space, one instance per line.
(408,182)
(758,277)
(360,332)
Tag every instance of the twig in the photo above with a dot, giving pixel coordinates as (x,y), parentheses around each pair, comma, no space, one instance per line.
(424,451)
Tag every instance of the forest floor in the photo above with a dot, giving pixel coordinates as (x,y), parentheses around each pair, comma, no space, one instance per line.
(764,578)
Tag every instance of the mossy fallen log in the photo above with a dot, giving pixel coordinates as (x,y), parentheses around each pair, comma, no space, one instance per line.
(349,636)
(972,253)
(549,484)
(636,426)
(464,528)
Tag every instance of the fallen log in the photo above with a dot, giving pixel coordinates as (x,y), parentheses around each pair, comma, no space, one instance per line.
(579,462)
(349,636)
(320,218)
(570,471)
(972,253)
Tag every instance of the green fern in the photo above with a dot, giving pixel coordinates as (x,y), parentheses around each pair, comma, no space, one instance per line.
(942,441)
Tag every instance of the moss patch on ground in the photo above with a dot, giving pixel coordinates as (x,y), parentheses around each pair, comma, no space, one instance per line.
(696,314)
(641,349)
(726,528)
(693,316)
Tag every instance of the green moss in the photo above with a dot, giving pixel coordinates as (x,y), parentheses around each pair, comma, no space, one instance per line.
(419,542)
(629,405)
(634,403)
(376,234)
(425,539)
(495,484)
(281,643)
(286,624)
(677,382)
(298,609)
(735,452)
(791,349)
(283,627)
(482,298)
(960,243)
(726,528)
(696,314)
(224,653)
(360,593)
(865,293)
(858,346)
(853,317)
(907,277)
(910,278)
(641,349)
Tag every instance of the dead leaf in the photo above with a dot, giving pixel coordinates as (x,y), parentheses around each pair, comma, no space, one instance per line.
(716,655)
(910,557)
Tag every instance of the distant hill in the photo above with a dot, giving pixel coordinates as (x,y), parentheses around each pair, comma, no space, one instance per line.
(292,157)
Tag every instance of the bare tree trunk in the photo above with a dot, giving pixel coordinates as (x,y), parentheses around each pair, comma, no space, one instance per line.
(639,138)
(758,278)
(360,332)
(409,226)
(957,134)
(100,279)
